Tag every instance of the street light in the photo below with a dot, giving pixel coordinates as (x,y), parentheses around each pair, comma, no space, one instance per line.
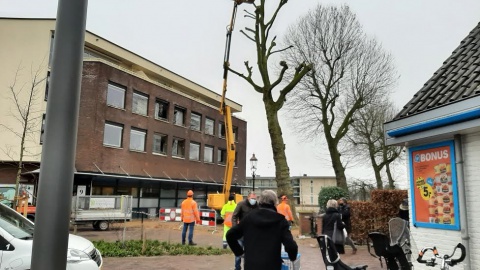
(253,163)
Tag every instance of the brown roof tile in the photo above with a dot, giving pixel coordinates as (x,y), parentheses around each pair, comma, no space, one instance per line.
(456,80)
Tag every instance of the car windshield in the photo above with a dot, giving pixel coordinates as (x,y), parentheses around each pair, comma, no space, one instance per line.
(15,224)
(6,195)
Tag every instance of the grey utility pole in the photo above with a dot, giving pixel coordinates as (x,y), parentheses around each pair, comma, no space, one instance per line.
(50,239)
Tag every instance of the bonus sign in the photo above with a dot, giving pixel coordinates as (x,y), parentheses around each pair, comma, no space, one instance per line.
(434,186)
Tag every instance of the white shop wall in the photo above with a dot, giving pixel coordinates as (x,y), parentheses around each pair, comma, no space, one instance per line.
(446,240)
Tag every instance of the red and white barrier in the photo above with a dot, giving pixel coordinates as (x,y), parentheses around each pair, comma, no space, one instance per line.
(170,214)
(208,218)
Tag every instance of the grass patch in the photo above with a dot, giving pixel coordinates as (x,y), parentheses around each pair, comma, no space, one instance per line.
(133,248)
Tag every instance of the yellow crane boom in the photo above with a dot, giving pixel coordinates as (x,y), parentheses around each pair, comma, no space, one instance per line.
(216,201)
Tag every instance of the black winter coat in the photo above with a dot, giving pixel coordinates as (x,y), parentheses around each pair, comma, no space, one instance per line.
(263,231)
(328,224)
(345,212)
(242,209)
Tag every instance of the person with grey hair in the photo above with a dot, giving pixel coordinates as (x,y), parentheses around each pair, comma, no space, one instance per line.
(332,217)
(263,231)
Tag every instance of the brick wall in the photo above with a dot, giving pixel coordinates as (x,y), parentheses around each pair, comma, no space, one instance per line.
(94,112)
(471,154)
(446,240)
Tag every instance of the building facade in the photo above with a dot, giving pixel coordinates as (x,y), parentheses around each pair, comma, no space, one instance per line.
(440,127)
(305,188)
(143,130)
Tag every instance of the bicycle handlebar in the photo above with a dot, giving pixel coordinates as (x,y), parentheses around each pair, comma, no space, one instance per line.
(422,252)
(447,258)
(462,256)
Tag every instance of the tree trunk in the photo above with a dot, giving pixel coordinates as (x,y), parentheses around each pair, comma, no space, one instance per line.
(282,172)
(19,171)
(391,182)
(378,177)
(376,168)
(337,164)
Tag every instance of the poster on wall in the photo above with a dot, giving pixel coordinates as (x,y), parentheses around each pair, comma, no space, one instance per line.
(433,185)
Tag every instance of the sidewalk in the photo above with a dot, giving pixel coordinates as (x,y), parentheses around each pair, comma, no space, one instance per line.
(311,257)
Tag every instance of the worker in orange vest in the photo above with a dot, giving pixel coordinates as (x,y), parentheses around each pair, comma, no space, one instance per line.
(227,214)
(284,209)
(189,216)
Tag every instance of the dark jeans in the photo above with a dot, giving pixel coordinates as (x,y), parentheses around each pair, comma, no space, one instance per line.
(190,233)
(238,259)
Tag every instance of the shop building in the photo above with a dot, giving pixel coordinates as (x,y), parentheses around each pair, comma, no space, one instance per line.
(440,126)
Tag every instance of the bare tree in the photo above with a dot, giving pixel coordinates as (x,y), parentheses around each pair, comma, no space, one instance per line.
(24,101)
(367,140)
(266,46)
(349,71)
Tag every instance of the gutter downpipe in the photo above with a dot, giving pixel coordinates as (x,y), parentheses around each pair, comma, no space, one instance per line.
(462,199)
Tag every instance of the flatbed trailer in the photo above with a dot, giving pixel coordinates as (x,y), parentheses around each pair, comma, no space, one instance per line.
(101,211)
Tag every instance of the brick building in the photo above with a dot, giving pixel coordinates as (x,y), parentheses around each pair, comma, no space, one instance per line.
(143,130)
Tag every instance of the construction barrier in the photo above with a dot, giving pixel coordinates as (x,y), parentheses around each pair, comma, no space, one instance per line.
(208,217)
(170,214)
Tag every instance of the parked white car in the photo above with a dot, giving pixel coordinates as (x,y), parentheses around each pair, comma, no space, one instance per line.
(16,242)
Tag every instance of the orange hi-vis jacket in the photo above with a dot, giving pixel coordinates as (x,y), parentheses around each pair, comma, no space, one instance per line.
(284,209)
(190,211)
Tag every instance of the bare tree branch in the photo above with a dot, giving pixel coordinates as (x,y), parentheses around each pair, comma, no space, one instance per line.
(349,71)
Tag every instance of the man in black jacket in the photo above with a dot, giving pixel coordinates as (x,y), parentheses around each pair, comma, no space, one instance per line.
(243,208)
(264,231)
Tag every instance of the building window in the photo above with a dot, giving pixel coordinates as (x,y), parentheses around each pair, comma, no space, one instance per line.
(113,134)
(209,126)
(42,131)
(195,121)
(160,143)
(161,109)
(50,55)
(194,151)
(116,96)
(47,84)
(221,130)
(222,156)
(137,139)
(140,103)
(235,133)
(179,116)
(178,147)
(208,154)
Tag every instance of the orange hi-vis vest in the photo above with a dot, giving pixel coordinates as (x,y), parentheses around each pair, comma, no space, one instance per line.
(189,211)
(227,213)
(284,209)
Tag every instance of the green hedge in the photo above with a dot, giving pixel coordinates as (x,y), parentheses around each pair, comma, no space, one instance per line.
(133,248)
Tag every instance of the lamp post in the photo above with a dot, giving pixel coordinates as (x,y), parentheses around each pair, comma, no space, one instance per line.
(253,163)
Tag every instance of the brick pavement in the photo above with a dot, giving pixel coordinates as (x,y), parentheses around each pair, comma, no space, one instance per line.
(310,253)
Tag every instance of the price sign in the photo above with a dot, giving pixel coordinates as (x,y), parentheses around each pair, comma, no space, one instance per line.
(433,186)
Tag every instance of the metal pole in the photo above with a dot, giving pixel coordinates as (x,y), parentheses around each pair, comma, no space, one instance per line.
(58,153)
(253,180)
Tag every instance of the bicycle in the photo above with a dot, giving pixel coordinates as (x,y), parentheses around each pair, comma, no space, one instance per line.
(446,260)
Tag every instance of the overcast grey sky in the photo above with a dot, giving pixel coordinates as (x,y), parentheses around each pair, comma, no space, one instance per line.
(188,37)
